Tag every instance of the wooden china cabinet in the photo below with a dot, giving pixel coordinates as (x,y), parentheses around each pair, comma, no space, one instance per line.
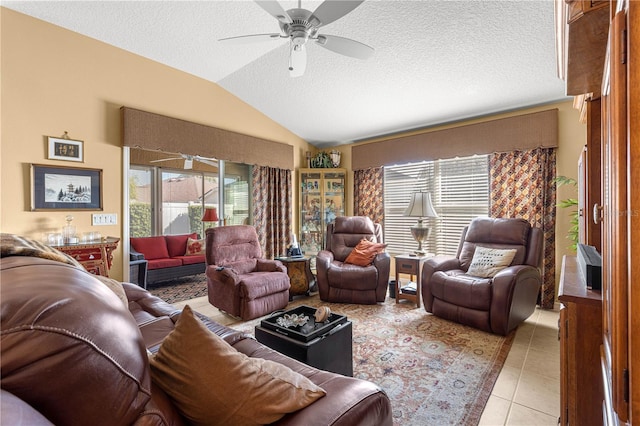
(618,212)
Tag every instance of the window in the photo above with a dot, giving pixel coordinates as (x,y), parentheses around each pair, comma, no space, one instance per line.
(169,202)
(459,190)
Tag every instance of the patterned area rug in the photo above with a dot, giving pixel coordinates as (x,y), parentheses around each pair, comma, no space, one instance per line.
(435,372)
(180,289)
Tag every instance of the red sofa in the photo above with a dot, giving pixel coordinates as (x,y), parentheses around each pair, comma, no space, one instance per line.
(166,257)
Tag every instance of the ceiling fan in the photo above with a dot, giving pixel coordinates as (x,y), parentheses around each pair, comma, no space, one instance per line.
(189,159)
(301,25)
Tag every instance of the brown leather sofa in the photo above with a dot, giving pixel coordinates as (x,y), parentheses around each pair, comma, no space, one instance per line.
(239,281)
(344,282)
(494,304)
(73,354)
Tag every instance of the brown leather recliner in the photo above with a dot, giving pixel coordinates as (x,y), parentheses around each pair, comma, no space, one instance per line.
(497,304)
(347,283)
(240,282)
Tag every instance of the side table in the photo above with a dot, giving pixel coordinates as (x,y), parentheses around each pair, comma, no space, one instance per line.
(299,271)
(95,256)
(412,266)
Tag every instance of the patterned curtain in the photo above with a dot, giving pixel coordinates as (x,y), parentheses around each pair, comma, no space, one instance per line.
(522,185)
(368,187)
(272,209)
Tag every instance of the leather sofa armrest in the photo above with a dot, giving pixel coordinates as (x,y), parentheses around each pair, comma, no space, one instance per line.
(431,266)
(150,303)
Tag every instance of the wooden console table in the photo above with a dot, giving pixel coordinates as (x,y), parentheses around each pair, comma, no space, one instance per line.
(95,256)
(581,391)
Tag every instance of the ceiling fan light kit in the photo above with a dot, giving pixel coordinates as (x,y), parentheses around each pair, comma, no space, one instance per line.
(301,25)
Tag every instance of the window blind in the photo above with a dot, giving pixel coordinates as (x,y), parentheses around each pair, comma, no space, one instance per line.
(459,190)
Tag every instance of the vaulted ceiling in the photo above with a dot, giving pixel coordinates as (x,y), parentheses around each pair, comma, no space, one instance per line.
(435,61)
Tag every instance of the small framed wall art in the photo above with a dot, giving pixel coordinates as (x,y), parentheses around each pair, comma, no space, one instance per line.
(65,188)
(65,149)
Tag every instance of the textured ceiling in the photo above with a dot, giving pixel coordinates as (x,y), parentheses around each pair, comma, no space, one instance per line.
(434,62)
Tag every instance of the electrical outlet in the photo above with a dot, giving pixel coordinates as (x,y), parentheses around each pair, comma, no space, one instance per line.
(101,219)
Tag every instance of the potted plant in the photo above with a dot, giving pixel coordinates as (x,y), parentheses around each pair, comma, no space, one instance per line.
(570,203)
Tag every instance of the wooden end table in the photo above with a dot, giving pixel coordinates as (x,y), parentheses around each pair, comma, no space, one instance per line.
(412,266)
(300,276)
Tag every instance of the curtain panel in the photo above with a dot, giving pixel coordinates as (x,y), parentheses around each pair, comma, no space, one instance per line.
(272,208)
(522,185)
(368,193)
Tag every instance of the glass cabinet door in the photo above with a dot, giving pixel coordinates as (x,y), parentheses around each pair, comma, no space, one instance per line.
(322,199)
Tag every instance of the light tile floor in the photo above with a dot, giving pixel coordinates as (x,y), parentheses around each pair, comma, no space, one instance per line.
(527,392)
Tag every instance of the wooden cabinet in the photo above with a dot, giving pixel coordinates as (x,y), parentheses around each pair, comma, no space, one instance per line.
(589,179)
(580,335)
(620,182)
(322,198)
(582,42)
(96,256)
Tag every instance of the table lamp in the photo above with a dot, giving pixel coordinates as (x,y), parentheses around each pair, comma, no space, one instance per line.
(420,207)
(210,215)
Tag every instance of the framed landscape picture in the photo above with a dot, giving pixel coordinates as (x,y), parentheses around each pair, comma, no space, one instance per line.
(65,149)
(65,188)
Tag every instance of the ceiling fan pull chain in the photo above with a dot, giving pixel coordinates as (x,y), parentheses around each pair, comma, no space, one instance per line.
(290,53)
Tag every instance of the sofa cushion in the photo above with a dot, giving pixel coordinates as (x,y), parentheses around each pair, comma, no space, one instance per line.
(459,289)
(364,253)
(177,244)
(163,263)
(487,262)
(62,328)
(212,383)
(191,260)
(151,247)
(195,247)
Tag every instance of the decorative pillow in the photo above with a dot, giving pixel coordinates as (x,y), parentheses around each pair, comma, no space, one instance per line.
(195,247)
(212,383)
(486,262)
(364,253)
(116,287)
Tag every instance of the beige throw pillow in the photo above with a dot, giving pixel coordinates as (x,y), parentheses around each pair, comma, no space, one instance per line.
(211,383)
(487,262)
(195,247)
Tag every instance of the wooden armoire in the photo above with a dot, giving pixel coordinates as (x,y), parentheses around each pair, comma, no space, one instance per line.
(612,29)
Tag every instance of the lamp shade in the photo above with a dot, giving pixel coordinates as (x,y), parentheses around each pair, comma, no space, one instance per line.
(420,206)
(210,215)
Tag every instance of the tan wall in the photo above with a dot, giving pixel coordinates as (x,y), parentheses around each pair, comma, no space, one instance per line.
(571,139)
(54,80)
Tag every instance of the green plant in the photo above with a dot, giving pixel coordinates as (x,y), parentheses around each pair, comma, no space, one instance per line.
(570,203)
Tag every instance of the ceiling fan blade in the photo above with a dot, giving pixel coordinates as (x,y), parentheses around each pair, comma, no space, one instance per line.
(253,38)
(297,60)
(274,9)
(345,46)
(332,10)
(206,160)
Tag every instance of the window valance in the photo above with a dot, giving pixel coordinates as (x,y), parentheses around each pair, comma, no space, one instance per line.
(521,132)
(151,131)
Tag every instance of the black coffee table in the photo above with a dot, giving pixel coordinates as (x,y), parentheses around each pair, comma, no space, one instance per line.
(327,345)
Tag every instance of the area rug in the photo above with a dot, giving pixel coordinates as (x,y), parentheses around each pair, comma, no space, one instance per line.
(180,289)
(434,371)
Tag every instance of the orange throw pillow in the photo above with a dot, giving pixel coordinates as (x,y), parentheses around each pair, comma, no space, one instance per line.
(364,253)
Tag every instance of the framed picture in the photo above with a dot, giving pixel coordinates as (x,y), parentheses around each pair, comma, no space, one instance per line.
(65,149)
(65,188)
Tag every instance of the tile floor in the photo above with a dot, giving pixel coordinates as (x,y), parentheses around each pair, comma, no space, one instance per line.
(527,391)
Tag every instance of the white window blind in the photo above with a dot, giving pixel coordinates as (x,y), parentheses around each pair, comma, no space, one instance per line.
(459,190)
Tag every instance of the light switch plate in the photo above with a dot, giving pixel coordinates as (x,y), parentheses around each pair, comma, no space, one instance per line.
(100,219)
